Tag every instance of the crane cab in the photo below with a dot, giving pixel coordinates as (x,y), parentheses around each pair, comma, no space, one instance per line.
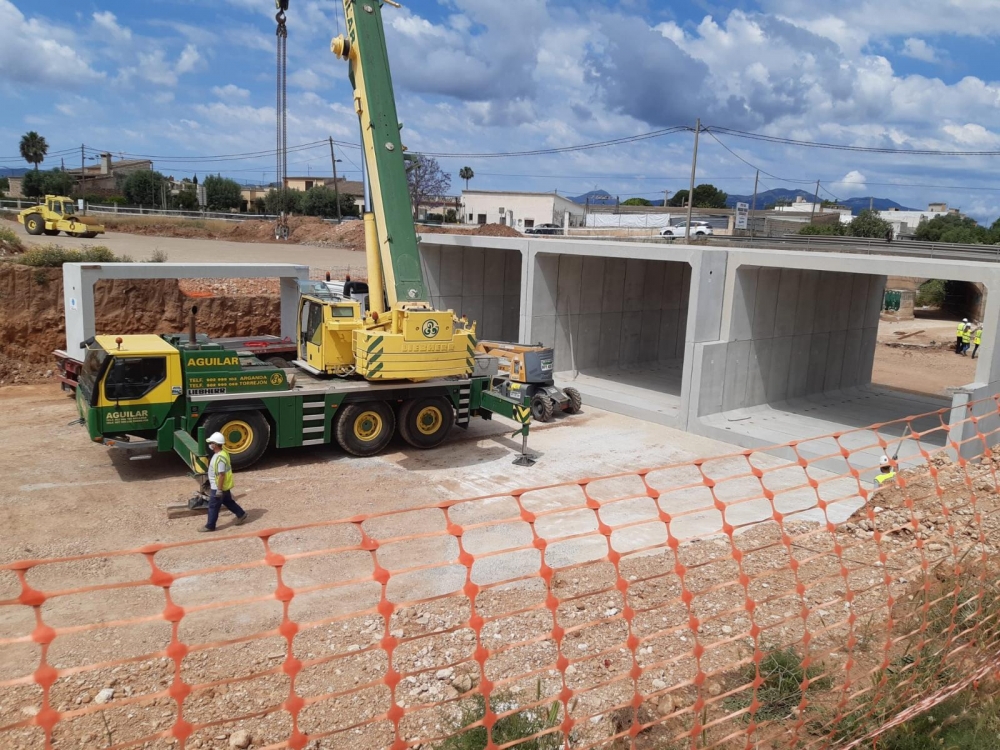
(326,326)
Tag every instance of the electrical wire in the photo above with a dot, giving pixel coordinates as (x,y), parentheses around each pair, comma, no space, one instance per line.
(563,149)
(842,147)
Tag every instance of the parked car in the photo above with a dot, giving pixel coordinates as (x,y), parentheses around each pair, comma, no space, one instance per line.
(544,229)
(698,229)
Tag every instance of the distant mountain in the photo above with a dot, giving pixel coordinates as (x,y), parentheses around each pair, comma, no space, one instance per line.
(857,205)
(13,172)
(602,198)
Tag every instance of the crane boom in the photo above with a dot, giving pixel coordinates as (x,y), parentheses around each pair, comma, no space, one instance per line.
(365,50)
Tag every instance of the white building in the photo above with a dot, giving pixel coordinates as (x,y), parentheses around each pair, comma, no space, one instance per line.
(908,221)
(519,210)
(802,206)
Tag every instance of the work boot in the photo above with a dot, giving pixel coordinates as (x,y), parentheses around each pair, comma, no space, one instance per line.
(242,519)
(204,529)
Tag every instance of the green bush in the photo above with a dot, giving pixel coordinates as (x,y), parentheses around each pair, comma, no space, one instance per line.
(9,237)
(53,256)
(931,293)
(961,723)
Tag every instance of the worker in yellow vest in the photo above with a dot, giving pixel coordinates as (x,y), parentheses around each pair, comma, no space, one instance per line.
(966,339)
(977,339)
(886,475)
(220,482)
(958,335)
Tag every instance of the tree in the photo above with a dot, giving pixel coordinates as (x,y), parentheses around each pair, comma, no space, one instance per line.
(222,194)
(836,230)
(287,201)
(709,196)
(705,196)
(33,148)
(451,216)
(143,188)
(185,200)
(426,180)
(320,201)
(40,183)
(4,185)
(637,202)
(466,174)
(956,228)
(869,224)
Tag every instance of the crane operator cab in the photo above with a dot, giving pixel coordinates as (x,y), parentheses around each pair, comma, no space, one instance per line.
(326,325)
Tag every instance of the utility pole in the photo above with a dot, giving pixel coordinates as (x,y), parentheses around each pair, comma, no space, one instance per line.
(871,203)
(666,197)
(815,202)
(336,190)
(694,169)
(83,173)
(753,204)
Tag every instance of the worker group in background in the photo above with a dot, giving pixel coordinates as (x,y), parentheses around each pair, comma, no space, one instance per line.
(966,336)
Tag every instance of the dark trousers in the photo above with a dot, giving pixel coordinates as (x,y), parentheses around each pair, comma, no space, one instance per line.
(975,350)
(216,500)
(958,345)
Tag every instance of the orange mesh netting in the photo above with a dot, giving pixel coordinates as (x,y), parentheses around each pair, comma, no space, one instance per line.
(741,601)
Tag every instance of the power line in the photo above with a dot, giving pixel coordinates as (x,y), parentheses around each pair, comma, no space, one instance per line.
(842,147)
(564,149)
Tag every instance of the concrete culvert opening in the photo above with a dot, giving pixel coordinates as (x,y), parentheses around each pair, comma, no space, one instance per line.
(798,352)
(918,349)
(482,284)
(618,327)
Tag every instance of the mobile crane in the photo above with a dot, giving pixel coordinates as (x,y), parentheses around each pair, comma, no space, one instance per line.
(400,367)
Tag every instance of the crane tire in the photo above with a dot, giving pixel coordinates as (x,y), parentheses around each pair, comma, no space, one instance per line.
(365,428)
(247,434)
(542,408)
(425,422)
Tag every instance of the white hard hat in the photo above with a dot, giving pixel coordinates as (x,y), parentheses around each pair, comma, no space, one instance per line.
(884,461)
(965,320)
(217,438)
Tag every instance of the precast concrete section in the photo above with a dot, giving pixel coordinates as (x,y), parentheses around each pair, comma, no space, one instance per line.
(754,347)
(482,283)
(79,280)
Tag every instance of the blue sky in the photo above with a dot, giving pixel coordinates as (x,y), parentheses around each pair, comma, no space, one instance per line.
(186,79)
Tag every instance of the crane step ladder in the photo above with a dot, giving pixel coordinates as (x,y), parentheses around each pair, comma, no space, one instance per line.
(313,419)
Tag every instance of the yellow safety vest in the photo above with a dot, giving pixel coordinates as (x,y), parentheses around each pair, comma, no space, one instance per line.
(966,336)
(883,478)
(978,339)
(961,329)
(228,484)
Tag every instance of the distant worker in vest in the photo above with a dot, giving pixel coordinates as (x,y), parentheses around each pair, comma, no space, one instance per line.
(977,339)
(958,335)
(886,475)
(220,480)
(966,339)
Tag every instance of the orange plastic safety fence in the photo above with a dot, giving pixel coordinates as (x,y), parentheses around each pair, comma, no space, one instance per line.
(740,601)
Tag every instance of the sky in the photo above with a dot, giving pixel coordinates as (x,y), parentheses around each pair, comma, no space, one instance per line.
(183,80)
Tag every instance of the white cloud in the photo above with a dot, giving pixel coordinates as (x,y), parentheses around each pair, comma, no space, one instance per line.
(38,51)
(852,183)
(188,60)
(918,49)
(107,25)
(230,92)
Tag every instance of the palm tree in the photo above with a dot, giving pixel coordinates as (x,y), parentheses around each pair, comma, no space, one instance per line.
(466,173)
(33,148)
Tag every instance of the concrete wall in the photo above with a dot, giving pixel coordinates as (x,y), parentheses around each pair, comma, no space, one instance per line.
(609,312)
(791,333)
(481,283)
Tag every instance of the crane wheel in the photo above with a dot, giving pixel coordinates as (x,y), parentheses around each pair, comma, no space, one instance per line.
(575,400)
(542,408)
(51,232)
(247,435)
(426,422)
(34,224)
(89,235)
(365,429)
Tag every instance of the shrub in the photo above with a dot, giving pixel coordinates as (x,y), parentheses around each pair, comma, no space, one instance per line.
(53,256)
(9,237)
(158,256)
(508,729)
(781,692)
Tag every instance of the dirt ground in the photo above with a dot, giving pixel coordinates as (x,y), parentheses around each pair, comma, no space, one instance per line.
(89,500)
(924,361)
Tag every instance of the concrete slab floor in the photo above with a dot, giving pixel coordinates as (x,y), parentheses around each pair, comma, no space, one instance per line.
(846,412)
(649,392)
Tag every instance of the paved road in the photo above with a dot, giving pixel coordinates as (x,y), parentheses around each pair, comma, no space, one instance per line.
(178,250)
